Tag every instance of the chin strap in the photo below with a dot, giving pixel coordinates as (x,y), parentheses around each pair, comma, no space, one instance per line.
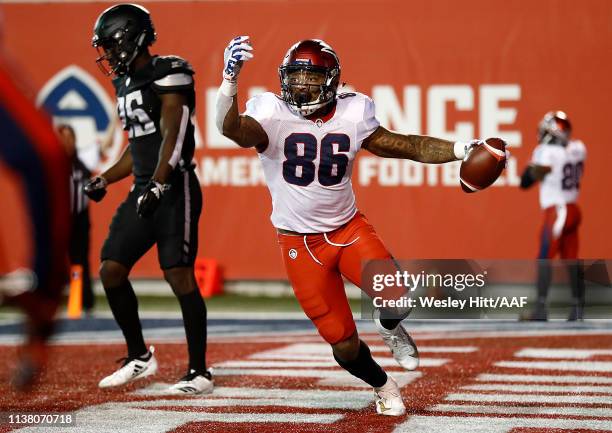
(308,109)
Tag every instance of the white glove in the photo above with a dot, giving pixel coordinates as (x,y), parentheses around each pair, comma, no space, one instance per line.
(238,51)
(462,149)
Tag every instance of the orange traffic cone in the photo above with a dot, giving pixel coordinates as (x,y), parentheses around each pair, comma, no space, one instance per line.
(208,276)
(75,298)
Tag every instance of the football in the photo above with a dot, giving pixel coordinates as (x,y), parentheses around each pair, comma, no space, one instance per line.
(483,165)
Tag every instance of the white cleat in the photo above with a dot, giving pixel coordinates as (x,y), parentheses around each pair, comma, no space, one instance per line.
(389,399)
(193,383)
(402,347)
(132,369)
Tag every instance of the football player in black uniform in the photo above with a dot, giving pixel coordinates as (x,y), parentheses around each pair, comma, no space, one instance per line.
(155,100)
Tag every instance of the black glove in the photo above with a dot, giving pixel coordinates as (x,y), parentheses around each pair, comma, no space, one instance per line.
(96,188)
(527,178)
(149,199)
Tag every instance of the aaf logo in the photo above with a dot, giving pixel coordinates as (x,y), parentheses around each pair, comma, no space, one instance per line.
(74,97)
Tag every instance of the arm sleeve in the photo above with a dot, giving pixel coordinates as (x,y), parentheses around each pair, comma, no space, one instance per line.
(527,180)
(369,123)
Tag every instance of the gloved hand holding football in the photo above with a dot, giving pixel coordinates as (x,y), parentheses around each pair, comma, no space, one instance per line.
(483,163)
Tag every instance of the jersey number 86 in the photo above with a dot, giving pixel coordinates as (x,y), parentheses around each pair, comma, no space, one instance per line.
(301,151)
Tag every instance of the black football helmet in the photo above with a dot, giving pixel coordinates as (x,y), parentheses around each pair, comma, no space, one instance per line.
(554,128)
(121,33)
(309,57)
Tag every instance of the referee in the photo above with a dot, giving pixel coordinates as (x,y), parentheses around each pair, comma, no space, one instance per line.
(79,208)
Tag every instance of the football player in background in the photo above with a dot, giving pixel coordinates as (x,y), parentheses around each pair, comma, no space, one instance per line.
(155,100)
(79,209)
(557,164)
(30,149)
(307,140)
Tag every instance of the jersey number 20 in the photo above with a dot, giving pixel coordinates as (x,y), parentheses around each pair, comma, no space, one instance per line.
(301,152)
(571,176)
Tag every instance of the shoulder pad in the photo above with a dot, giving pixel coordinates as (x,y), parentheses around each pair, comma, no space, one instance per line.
(172,73)
(356,106)
(345,95)
(262,106)
(166,65)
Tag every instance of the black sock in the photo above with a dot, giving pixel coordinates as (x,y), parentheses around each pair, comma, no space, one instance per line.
(576,275)
(364,367)
(194,320)
(124,305)
(544,278)
(390,323)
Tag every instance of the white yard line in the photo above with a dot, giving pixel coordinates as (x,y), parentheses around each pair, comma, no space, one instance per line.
(593,412)
(590,366)
(566,353)
(384,362)
(568,389)
(449,424)
(531,398)
(542,378)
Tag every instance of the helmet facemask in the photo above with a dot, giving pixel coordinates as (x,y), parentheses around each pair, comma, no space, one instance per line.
(117,52)
(308,88)
(554,128)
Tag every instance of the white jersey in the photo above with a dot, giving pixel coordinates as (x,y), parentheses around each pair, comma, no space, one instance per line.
(308,165)
(561,185)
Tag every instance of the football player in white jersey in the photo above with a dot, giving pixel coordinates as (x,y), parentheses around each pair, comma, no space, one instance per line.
(307,140)
(557,163)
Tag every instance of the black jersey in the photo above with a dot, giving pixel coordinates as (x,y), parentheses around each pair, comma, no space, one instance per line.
(139,107)
(79,175)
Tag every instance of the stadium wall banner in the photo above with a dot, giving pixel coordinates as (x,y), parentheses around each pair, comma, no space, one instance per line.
(456,70)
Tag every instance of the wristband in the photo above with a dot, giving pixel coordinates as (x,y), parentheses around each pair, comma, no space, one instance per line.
(459,149)
(228,88)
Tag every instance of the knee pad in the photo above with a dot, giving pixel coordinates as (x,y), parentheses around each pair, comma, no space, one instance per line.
(335,329)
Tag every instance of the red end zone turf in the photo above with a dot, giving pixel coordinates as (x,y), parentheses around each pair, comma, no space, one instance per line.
(489,383)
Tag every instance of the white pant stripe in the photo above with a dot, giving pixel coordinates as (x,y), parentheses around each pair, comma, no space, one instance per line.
(187,212)
(557,228)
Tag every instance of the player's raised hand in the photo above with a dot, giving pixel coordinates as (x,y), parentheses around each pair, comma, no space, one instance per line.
(238,51)
(149,200)
(95,189)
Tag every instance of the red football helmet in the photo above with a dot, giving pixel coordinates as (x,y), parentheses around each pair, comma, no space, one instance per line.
(309,76)
(554,128)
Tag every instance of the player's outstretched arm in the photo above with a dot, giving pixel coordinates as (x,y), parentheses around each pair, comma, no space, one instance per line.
(243,130)
(532,174)
(422,148)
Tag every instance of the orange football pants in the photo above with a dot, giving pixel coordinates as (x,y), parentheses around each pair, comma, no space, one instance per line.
(315,265)
(560,232)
